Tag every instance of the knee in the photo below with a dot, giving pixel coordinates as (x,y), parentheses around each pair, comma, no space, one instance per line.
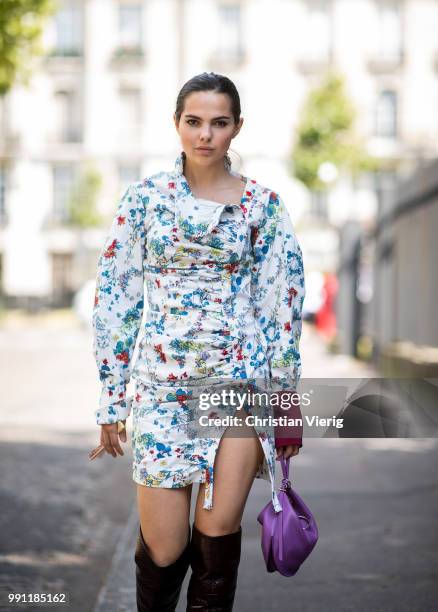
(163,552)
(218,528)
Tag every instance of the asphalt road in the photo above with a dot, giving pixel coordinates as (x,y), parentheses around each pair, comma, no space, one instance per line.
(68,525)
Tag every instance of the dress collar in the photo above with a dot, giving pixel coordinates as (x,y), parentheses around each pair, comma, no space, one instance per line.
(198,221)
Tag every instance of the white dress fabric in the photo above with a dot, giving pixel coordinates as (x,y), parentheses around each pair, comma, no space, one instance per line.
(224,285)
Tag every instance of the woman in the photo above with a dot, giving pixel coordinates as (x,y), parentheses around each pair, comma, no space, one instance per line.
(225,287)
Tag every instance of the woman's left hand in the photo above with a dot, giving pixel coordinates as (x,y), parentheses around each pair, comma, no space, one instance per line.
(287,451)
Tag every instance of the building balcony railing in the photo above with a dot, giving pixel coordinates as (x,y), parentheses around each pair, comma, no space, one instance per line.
(67,137)
(384,64)
(230,59)
(66,52)
(65,62)
(128,56)
(314,65)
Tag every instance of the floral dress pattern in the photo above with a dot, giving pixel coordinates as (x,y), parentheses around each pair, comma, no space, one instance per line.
(224,286)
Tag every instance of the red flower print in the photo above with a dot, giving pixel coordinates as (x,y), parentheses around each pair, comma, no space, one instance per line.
(105,362)
(239,354)
(96,300)
(292,292)
(287,326)
(121,220)
(159,349)
(157,281)
(232,267)
(171,185)
(123,356)
(110,252)
(182,397)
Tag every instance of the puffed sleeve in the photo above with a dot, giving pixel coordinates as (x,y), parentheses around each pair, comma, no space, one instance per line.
(118,305)
(278,290)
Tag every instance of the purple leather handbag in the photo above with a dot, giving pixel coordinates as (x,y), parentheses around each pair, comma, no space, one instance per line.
(288,537)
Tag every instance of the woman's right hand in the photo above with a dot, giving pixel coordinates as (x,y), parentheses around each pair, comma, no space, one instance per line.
(109,438)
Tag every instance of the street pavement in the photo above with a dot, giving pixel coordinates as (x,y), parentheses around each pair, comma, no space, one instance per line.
(69,525)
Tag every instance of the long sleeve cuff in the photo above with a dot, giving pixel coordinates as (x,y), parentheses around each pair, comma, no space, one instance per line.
(114,406)
(288,406)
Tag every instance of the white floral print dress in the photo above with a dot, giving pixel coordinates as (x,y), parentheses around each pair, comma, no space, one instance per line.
(224,285)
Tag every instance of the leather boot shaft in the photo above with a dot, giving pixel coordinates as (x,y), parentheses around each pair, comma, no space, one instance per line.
(215,563)
(158,588)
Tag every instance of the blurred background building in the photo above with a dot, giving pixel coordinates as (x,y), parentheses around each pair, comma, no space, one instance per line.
(97,115)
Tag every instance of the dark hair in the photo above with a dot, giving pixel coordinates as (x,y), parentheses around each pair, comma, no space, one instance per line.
(209,81)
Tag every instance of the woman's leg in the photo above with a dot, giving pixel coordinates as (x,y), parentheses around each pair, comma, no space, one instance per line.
(162,554)
(236,464)
(164,520)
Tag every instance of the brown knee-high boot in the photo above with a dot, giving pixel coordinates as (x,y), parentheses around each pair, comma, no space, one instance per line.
(215,563)
(158,588)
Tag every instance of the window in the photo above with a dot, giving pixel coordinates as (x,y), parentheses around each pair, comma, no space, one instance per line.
(229,47)
(63,179)
(386,115)
(130,27)
(62,277)
(69,29)
(128,173)
(2,194)
(67,119)
(389,31)
(317,31)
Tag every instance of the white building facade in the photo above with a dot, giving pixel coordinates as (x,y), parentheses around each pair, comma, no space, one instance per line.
(103,97)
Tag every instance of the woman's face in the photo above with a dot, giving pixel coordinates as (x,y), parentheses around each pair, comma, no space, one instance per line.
(206,127)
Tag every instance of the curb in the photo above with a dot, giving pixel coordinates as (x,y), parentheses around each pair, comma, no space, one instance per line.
(118,590)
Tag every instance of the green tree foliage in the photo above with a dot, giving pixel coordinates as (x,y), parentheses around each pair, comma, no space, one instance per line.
(21,26)
(325,134)
(82,204)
